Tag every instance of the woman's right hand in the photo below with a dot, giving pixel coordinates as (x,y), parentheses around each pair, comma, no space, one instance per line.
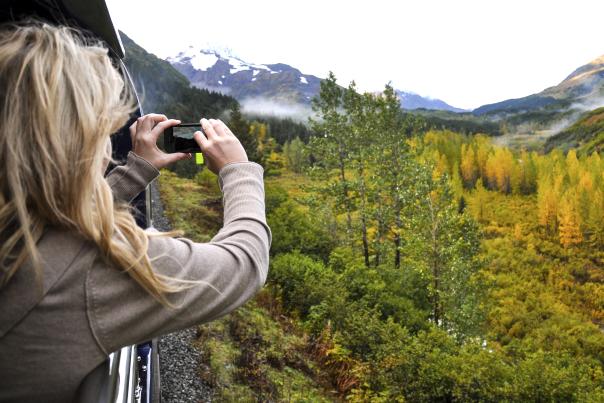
(219,145)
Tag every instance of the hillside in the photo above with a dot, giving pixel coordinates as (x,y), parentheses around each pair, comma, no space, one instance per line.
(529,122)
(255,353)
(585,86)
(461,122)
(587,134)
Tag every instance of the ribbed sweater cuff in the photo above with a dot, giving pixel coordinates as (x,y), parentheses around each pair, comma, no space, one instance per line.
(145,170)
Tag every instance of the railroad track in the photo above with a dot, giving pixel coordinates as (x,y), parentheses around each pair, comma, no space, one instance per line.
(179,361)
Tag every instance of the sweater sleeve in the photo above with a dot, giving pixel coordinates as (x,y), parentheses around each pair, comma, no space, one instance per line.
(218,276)
(128,180)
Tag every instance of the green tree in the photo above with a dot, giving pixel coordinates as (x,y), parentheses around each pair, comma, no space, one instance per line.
(295,155)
(241,128)
(331,146)
(447,252)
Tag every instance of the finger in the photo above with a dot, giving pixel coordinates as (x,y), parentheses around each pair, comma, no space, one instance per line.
(156,117)
(133,131)
(145,124)
(149,121)
(208,129)
(201,139)
(219,127)
(160,127)
(228,131)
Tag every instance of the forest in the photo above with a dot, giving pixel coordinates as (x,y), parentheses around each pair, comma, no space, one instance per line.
(409,264)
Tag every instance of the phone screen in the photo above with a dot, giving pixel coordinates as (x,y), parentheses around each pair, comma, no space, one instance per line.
(180,139)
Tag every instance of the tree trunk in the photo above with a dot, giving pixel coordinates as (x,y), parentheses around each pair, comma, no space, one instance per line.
(435,266)
(363,215)
(398,224)
(346,198)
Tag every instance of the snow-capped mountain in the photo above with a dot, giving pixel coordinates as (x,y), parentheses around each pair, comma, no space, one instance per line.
(231,75)
(267,88)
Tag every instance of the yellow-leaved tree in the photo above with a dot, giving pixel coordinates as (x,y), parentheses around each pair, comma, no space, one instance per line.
(569,230)
(499,169)
(548,194)
(468,166)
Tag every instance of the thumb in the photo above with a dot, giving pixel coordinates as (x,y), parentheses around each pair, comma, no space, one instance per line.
(174,157)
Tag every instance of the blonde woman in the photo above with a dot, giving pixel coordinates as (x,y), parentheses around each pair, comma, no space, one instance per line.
(77,276)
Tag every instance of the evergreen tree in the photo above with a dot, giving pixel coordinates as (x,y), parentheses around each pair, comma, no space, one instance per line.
(241,128)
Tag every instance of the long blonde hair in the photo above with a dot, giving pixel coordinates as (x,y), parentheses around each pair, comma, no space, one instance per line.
(61,99)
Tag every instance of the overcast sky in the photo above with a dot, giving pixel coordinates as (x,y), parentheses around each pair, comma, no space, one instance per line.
(467,53)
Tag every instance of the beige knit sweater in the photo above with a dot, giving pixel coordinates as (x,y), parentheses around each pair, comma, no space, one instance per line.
(50,341)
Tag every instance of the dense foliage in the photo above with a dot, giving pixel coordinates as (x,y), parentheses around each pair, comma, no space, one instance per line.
(466,123)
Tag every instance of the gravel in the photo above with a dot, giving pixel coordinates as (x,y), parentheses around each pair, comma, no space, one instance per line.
(179,361)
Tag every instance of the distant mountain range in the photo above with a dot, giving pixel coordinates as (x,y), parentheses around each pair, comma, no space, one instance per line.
(412,101)
(583,87)
(264,87)
(550,116)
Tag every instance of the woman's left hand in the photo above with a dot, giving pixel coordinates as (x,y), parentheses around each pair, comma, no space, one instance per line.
(145,132)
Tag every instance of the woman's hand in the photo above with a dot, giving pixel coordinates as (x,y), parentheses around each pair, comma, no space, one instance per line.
(219,145)
(145,132)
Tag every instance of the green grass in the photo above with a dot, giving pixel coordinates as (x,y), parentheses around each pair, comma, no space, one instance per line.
(296,185)
(193,206)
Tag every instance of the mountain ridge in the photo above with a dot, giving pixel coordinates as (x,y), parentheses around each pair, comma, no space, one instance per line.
(584,83)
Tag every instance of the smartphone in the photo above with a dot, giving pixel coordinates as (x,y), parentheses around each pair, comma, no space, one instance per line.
(179,138)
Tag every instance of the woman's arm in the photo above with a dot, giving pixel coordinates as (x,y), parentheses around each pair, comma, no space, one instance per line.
(227,271)
(128,180)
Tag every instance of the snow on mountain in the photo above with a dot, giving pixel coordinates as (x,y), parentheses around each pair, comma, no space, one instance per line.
(206,59)
(256,86)
(200,60)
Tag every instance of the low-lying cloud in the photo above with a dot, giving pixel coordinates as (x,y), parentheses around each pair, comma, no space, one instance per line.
(270,107)
(577,108)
